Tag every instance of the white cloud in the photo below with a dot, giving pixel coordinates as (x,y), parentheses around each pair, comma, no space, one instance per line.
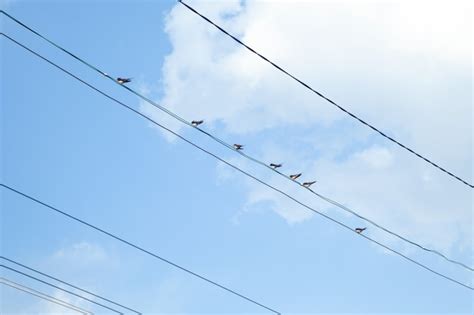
(376,157)
(83,253)
(405,66)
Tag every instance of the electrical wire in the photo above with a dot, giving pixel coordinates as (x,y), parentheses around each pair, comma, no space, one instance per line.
(43,296)
(307,86)
(230,147)
(68,284)
(59,288)
(137,247)
(225,162)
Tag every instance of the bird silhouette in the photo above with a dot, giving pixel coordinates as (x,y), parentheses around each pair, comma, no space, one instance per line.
(360,230)
(238,146)
(274,166)
(307,184)
(196,123)
(124,80)
(295,176)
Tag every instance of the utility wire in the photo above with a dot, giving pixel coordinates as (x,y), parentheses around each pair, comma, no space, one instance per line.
(230,147)
(43,296)
(68,284)
(223,161)
(281,69)
(57,287)
(137,247)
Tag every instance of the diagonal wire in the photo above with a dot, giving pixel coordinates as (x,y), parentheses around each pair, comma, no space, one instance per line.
(223,161)
(43,296)
(201,277)
(68,284)
(57,287)
(307,86)
(229,146)
(122,240)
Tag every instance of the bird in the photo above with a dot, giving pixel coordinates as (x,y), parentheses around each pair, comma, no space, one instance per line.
(360,230)
(196,123)
(124,80)
(238,146)
(274,166)
(307,184)
(295,176)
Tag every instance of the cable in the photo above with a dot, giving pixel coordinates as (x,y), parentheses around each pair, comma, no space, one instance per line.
(199,276)
(326,98)
(223,161)
(138,248)
(59,288)
(43,296)
(230,147)
(68,284)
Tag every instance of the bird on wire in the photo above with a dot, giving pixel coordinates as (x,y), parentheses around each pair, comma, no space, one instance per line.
(360,230)
(295,176)
(124,80)
(196,123)
(308,184)
(238,146)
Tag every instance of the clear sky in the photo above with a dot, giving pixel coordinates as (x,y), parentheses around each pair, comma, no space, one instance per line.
(405,68)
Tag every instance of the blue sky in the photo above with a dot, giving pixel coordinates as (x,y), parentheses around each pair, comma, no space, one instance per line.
(68,146)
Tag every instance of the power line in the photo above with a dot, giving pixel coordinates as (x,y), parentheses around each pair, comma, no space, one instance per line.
(230,147)
(43,296)
(307,86)
(139,248)
(68,284)
(57,287)
(227,163)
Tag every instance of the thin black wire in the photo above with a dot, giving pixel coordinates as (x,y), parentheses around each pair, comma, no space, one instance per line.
(230,147)
(59,288)
(137,247)
(68,284)
(326,98)
(221,160)
(42,296)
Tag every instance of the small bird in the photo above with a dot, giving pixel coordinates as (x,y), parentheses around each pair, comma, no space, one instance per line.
(196,123)
(307,184)
(124,80)
(274,166)
(238,146)
(295,176)
(360,230)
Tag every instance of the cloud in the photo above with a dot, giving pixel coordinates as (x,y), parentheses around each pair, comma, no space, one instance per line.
(375,157)
(208,75)
(84,253)
(396,64)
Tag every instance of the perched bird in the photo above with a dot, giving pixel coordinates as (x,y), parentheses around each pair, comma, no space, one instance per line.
(274,166)
(295,176)
(238,146)
(360,230)
(307,184)
(196,123)
(124,80)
